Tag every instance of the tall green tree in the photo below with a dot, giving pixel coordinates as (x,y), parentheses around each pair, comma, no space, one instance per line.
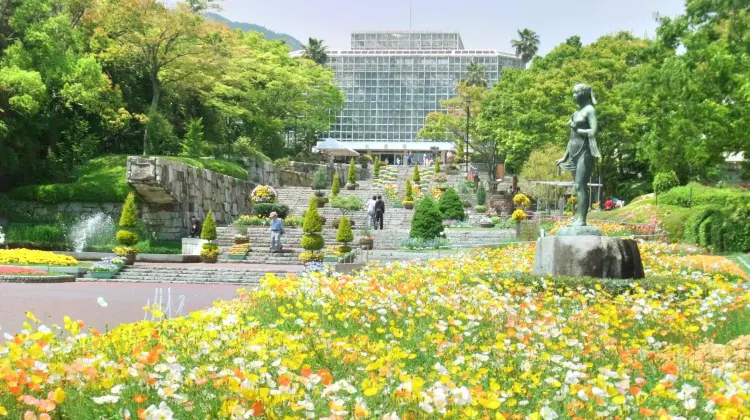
(192,144)
(315,50)
(527,45)
(475,76)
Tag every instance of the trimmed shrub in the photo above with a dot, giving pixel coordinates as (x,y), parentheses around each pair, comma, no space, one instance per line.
(415,177)
(344,234)
(450,205)
(408,193)
(694,221)
(352,175)
(129,218)
(376,168)
(480,209)
(347,204)
(466,204)
(427,222)
(738,230)
(126,238)
(335,187)
(265,209)
(312,242)
(665,181)
(320,179)
(481,195)
(702,195)
(313,223)
(209,227)
(437,164)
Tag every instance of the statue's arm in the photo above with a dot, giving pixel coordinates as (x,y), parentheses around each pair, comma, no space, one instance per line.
(591,115)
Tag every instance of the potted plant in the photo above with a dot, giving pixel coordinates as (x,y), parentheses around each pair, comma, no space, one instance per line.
(127,237)
(440,177)
(415,177)
(367,241)
(210,251)
(486,222)
(321,198)
(344,235)
(241,239)
(518,216)
(336,186)
(238,252)
(351,179)
(480,209)
(408,196)
(105,269)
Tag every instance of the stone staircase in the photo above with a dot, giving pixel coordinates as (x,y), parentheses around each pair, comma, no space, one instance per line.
(188,274)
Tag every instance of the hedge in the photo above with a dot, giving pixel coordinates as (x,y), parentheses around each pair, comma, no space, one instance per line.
(219,166)
(427,222)
(720,230)
(265,209)
(703,195)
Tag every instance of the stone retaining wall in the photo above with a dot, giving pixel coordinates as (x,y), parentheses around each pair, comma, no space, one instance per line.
(172,192)
(41,211)
(297,174)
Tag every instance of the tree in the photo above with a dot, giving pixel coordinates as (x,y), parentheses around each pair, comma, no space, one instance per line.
(527,45)
(335,187)
(344,233)
(376,168)
(193,145)
(427,223)
(320,178)
(408,192)
(170,45)
(127,236)
(450,205)
(312,225)
(437,165)
(315,51)
(541,166)
(415,176)
(481,195)
(474,75)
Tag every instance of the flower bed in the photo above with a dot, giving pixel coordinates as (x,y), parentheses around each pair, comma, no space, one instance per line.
(33,257)
(476,336)
(20,271)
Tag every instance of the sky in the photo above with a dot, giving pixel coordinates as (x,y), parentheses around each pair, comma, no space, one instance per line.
(483,24)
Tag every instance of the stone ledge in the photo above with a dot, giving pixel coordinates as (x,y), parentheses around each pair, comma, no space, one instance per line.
(37,279)
(588,256)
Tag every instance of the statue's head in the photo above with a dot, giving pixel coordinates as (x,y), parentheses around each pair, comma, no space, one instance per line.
(583,93)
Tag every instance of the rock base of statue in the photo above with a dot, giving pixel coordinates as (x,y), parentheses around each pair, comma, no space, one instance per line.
(592,255)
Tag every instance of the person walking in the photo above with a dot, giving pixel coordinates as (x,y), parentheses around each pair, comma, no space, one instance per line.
(408,159)
(371,211)
(195,227)
(379,212)
(277,229)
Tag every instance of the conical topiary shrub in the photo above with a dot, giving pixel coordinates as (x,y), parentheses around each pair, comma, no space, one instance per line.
(312,240)
(408,196)
(127,236)
(427,222)
(335,187)
(352,176)
(416,177)
(437,165)
(209,227)
(481,195)
(451,206)
(376,167)
(345,235)
(210,251)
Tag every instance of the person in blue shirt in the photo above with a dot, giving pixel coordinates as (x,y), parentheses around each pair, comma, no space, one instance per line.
(277,229)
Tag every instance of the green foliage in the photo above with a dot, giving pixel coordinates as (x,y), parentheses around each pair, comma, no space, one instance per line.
(312,242)
(101,180)
(480,209)
(313,222)
(35,233)
(738,230)
(336,186)
(527,44)
(481,195)
(209,227)
(450,205)
(344,233)
(243,147)
(698,195)
(408,192)
(320,178)
(126,238)
(665,181)
(376,168)
(193,144)
(693,222)
(415,177)
(352,175)
(265,209)
(162,139)
(437,165)
(427,222)
(540,166)
(347,204)
(219,166)
(129,217)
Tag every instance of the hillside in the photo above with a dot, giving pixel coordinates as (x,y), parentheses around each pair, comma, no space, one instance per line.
(293,42)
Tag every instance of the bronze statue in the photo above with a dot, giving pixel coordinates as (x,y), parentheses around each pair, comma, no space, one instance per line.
(582,150)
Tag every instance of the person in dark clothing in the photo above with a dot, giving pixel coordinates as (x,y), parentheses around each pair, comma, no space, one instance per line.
(195,227)
(379,212)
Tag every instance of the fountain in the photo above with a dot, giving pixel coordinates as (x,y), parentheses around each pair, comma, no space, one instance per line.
(96,228)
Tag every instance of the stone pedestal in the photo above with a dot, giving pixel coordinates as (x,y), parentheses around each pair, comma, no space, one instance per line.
(192,246)
(588,256)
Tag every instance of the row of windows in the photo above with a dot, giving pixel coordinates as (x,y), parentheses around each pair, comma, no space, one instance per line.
(372,135)
(463,60)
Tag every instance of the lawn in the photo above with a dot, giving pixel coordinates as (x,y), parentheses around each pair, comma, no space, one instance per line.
(474,336)
(102,180)
(643,210)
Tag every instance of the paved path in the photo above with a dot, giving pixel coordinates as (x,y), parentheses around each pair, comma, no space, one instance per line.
(228,266)
(51,302)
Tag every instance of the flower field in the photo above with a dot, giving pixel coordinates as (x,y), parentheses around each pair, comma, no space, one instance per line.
(471,337)
(31,257)
(20,271)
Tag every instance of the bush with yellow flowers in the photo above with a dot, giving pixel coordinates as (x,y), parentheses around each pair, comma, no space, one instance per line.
(34,257)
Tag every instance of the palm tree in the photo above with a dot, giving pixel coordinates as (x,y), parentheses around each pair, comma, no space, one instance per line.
(315,51)
(475,75)
(527,46)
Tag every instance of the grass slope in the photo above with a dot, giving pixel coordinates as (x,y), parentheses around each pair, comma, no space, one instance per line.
(642,209)
(102,180)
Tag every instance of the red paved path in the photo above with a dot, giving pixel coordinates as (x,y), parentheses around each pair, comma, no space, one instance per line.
(50,302)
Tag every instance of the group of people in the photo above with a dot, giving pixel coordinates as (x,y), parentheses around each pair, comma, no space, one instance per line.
(375,212)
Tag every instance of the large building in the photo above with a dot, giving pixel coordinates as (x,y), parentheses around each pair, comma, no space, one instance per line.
(392,80)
